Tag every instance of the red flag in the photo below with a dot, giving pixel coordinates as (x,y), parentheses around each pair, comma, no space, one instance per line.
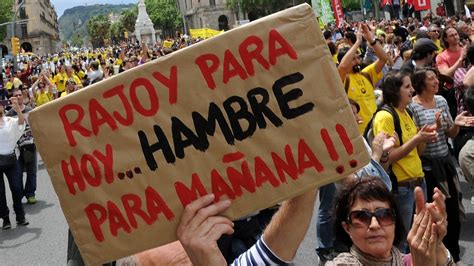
(338,12)
(421,5)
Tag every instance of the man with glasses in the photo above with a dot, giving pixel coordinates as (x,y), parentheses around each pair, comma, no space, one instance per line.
(434,33)
(27,162)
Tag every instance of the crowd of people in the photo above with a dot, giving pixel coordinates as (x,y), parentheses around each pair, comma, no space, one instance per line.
(410,85)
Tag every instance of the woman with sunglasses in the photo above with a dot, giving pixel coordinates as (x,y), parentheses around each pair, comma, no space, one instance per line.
(373,241)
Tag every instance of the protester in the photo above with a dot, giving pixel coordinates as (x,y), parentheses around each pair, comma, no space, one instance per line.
(27,161)
(70,88)
(42,90)
(359,83)
(423,53)
(381,147)
(406,169)
(439,166)
(11,130)
(374,241)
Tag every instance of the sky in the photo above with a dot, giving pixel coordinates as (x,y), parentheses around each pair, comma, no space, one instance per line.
(61,5)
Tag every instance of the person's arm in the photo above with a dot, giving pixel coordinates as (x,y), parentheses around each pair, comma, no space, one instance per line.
(345,65)
(382,57)
(50,85)
(461,120)
(34,87)
(289,225)
(421,138)
(16,107)
(444,69)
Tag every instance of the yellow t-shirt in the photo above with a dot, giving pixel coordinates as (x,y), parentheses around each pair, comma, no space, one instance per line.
(60,81)
(63,94)
(16,84)
(409,167)
(75,78)
(438,44)
(42,98)
(81,74)
(362,91)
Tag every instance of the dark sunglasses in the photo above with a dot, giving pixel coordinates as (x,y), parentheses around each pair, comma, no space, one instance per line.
(435,31)
(384,217)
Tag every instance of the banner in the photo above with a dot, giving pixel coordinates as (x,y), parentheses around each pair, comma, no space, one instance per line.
(204,33)
(257,114)
(421,5)
(338,12)
(326,12)
(167,44)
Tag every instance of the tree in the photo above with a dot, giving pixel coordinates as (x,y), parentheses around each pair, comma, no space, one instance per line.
(128,19)
(77,40)
(6,15)
(116,31)
(164,14)
(98,29)
(260,8)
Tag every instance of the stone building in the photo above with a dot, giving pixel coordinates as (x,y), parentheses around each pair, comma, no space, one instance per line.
(40,33)
(212,14)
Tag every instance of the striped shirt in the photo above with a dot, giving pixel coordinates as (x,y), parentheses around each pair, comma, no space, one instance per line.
(423,116)
(259,254)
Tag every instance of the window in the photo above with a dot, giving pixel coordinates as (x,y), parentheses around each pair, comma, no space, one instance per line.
(24,31)
(212,2)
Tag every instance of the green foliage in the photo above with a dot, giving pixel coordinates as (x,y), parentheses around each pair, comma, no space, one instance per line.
(164,14)
(74,20)
(6,15)
(77,40)
(98,29)
(260,8)
(116,31)
(350,5)
(128,19)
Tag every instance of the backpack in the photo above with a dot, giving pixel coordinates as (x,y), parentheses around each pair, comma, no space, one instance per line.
(369,136)
(347,80)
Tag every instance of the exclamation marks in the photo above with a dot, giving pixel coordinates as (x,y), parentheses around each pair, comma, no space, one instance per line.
(341,131)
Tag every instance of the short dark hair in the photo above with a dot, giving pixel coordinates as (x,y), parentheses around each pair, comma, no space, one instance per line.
(327,34)
(469,99)
(342,52)
(368,189)
(352,102)
(351,37)
(391,85)
(470,54)
(418,78)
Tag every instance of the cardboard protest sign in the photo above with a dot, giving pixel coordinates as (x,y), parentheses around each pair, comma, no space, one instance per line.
(257,114)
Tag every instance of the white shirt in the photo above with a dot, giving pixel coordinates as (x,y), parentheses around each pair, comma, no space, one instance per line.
(10,133)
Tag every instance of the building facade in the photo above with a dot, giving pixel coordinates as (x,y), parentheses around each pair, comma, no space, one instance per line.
(212,14)
(39,31)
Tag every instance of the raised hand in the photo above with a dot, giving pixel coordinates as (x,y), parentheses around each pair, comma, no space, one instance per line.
(200,228)
(464,120)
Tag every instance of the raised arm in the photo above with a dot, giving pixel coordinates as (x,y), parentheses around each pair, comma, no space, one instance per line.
(289,225)
(382,57)
(16,107)
(345,65)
